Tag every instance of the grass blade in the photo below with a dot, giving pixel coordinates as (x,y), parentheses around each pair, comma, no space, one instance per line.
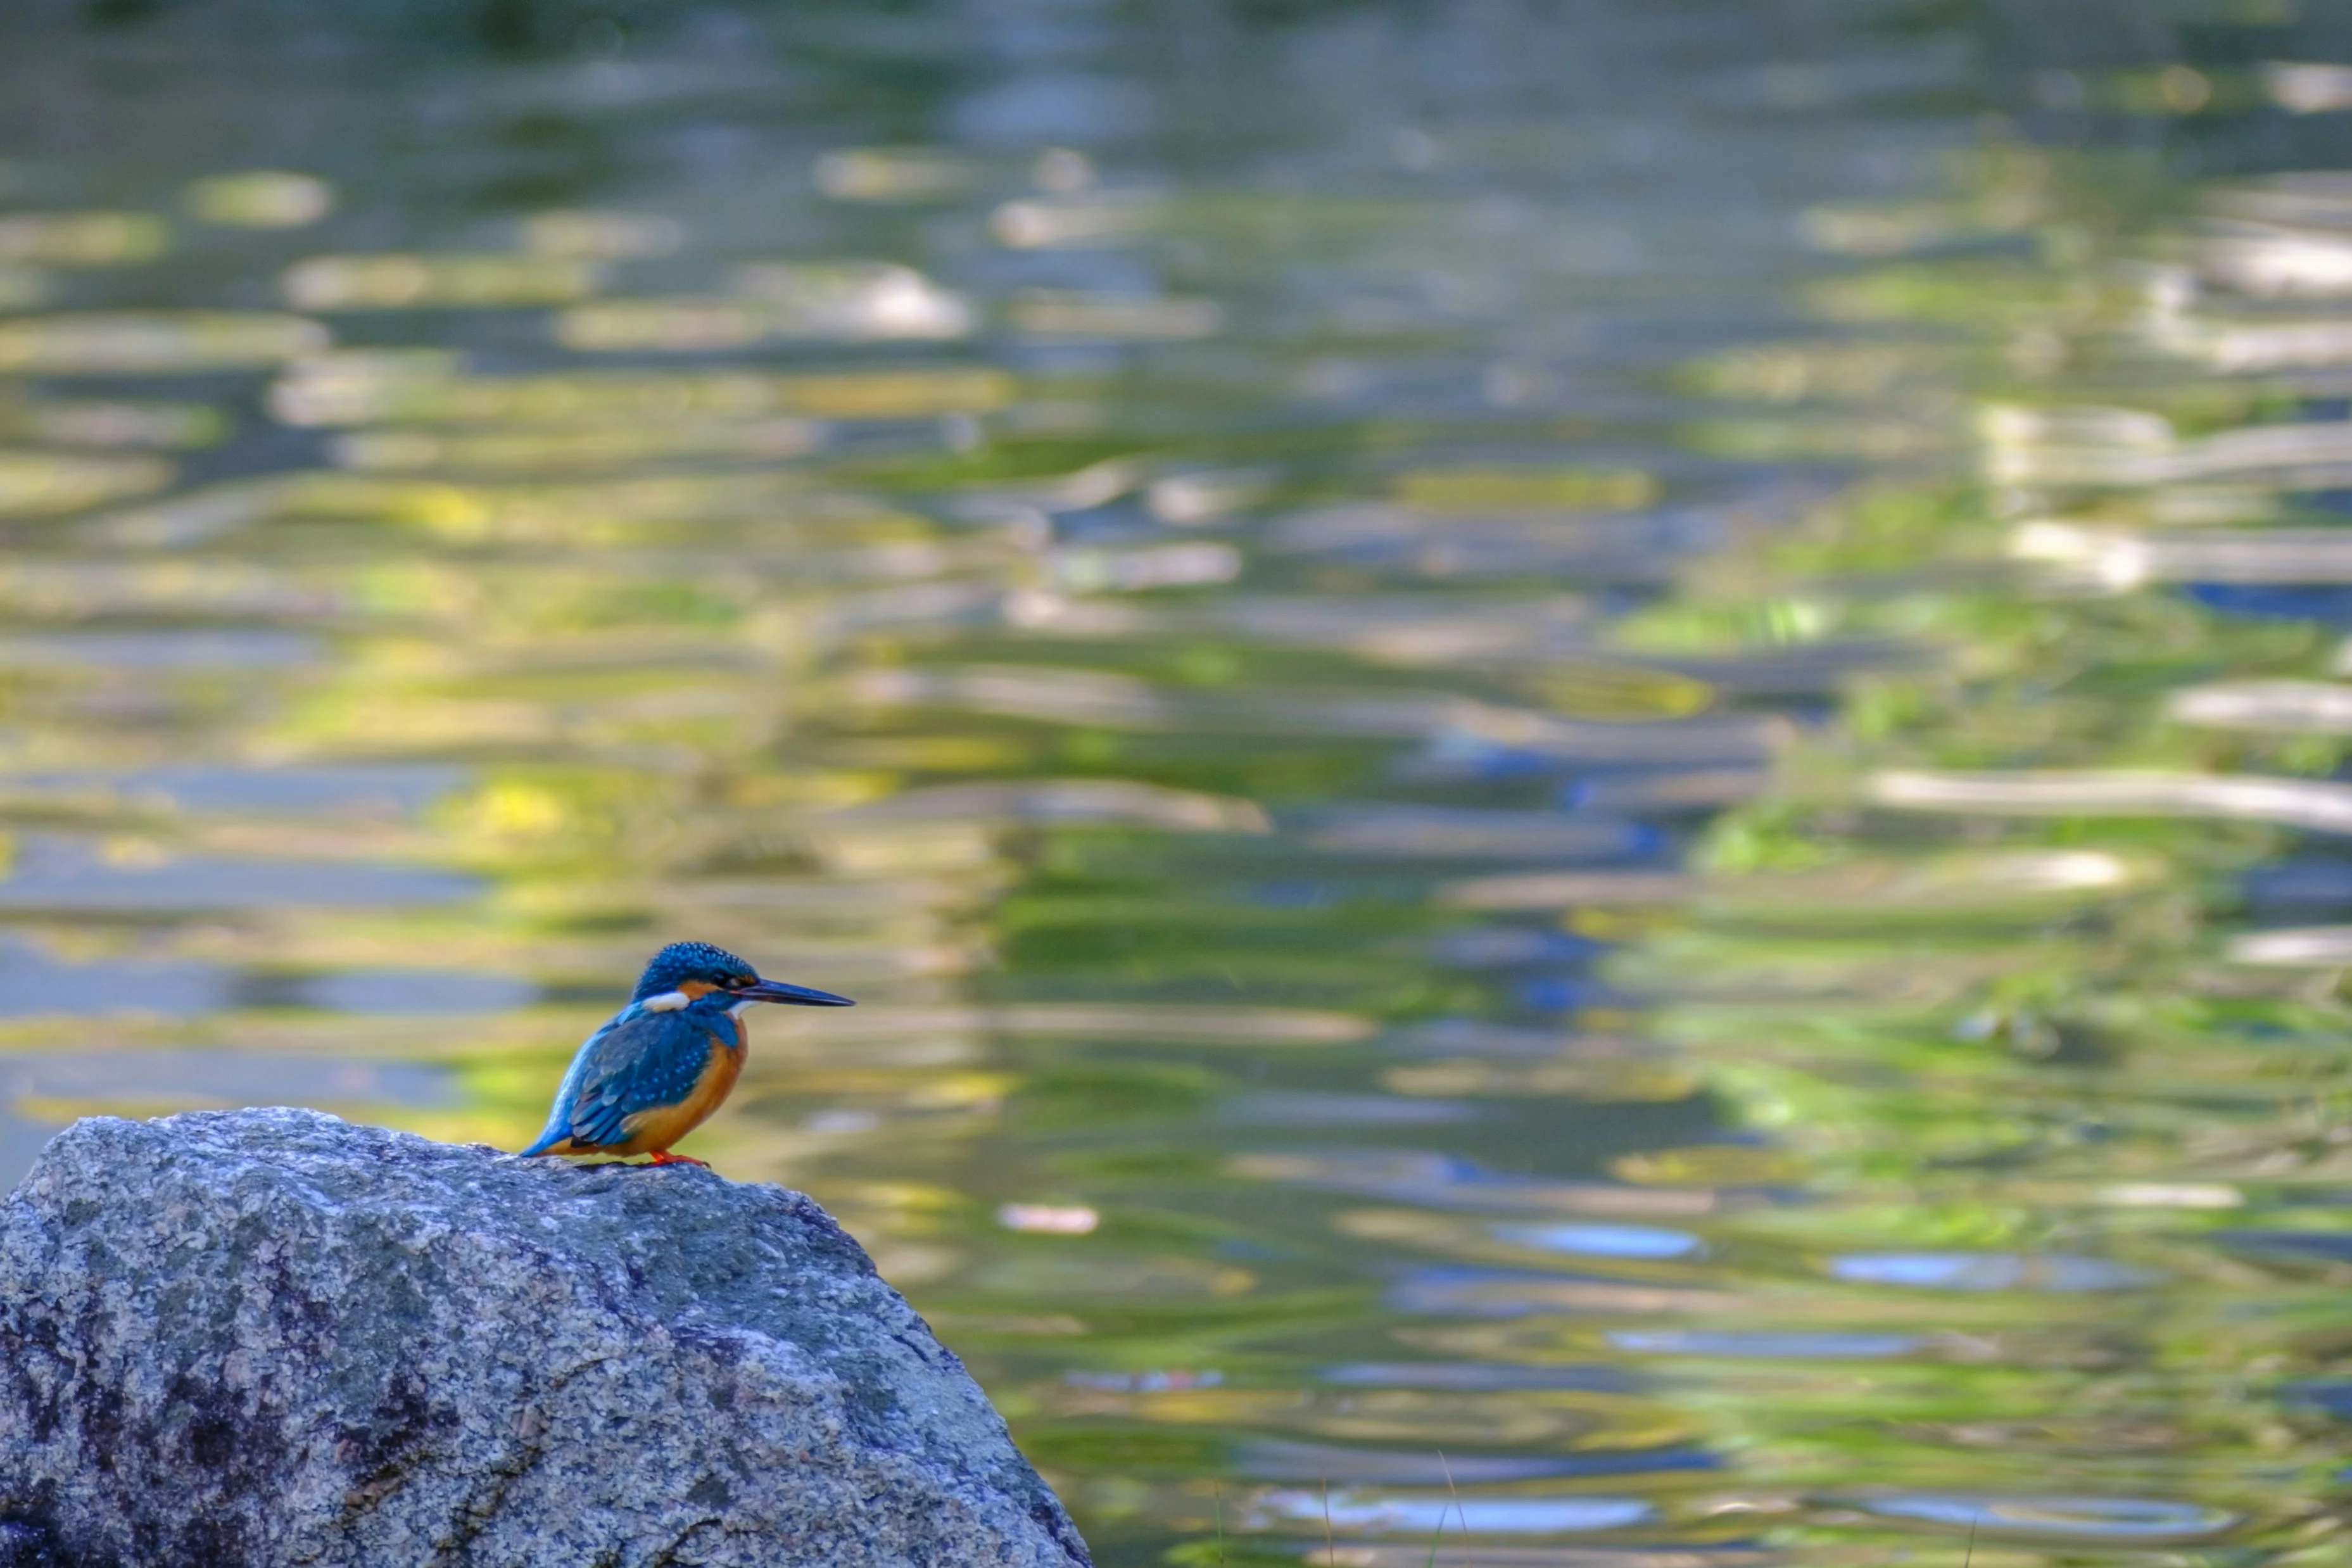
(1459,1511)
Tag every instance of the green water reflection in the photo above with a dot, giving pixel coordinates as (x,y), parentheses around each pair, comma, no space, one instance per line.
(1581,764)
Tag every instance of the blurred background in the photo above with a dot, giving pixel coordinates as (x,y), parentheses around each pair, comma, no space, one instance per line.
(1582,760)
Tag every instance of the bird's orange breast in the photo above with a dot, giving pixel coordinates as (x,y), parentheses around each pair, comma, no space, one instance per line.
(655,1129)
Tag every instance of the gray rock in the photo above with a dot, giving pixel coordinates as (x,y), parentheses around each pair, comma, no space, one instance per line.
(25,1546)
(265,1337)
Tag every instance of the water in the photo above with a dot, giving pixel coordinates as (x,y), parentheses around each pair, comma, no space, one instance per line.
(1579,763)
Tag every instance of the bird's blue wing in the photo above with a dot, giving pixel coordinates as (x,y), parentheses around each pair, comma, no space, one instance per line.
(639,1061)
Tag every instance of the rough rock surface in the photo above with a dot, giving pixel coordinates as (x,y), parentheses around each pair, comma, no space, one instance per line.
(268,1336)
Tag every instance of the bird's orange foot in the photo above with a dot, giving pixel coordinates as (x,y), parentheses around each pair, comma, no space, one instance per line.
(664,1157)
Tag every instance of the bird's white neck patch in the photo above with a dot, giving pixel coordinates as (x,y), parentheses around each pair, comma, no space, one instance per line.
(739,1008)
(667,1002)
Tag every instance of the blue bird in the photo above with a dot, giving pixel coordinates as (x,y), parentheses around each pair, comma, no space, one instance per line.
(663,1063)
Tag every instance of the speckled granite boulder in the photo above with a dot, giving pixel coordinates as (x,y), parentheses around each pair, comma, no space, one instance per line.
(267,1337)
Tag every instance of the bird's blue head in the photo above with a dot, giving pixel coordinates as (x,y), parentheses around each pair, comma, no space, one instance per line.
(696,969)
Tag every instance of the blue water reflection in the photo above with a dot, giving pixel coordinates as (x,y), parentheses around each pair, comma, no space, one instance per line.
(1988,1271)
(1600,1240)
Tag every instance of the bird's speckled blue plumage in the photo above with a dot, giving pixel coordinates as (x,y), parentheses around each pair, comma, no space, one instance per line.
(684,960)
(655,1052)
(638,1061)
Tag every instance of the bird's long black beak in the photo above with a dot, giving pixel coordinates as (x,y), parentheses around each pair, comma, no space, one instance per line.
(790,995)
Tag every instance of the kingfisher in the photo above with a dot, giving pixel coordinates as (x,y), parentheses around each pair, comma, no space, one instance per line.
(663,1063)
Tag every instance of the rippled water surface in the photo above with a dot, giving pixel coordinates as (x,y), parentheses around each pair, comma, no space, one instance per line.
(1583,763)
